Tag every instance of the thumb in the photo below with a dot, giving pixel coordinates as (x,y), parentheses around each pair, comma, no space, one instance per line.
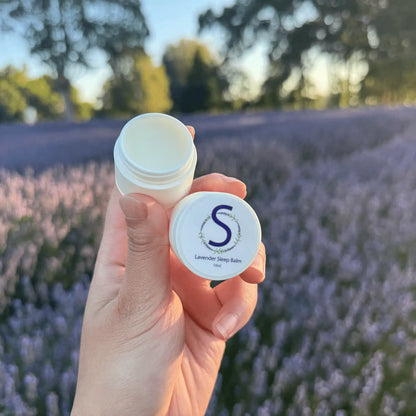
(145,288)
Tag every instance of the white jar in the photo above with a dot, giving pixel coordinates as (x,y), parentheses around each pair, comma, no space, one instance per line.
(155,155)
(216,235)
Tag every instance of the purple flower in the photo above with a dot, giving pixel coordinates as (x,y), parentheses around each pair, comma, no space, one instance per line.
(333,332)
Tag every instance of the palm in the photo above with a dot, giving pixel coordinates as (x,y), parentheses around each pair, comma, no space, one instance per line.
(194,382)
(202,350)
(195,307)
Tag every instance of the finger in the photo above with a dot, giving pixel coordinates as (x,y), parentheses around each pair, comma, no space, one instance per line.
(191,130)
(256,272)
(238,299)
(113,247)
(198,299)
(217,182)
(111,256)
(146,286)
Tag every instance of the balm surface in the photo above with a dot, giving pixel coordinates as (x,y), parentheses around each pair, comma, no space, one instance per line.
(156,144)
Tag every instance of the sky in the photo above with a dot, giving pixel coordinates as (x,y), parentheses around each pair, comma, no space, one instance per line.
(168,21)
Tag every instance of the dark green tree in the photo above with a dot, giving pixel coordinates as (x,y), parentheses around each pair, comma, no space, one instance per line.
(203,89)
(141,87)
(391,77)
(12,102)
(197,82)
(376,31)
(19,92)
(62,33)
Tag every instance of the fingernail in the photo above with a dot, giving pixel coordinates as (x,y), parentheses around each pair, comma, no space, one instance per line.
(227,325)
(192,128)
(231,179)
(133,209)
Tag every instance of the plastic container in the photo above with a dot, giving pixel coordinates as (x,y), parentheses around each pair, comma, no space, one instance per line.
(215,235)
(155,155)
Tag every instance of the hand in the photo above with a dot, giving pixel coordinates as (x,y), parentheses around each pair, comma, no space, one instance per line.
(154,334)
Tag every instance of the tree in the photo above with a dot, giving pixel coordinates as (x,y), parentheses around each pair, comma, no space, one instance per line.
(202,91)
(12,102)
(82,110)
(197,82)
(391,76)
(344,29)
(140,88)
(41,96)
(19,92)
(62,33)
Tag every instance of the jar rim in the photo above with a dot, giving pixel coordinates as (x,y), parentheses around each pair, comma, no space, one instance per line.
(143,171)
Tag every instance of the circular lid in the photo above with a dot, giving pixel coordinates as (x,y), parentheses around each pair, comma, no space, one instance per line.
(216,235)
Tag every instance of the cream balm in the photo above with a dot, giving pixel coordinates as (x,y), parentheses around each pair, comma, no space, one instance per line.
(216,235)
(155,155)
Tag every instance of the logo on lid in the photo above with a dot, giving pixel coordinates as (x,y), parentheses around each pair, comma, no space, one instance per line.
(220,232)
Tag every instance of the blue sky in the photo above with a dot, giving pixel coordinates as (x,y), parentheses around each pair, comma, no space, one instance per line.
(168,20)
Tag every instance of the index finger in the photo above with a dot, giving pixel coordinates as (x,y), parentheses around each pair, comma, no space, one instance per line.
(113,247)
(256,272)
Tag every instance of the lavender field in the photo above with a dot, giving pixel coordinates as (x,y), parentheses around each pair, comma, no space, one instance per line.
(334,332)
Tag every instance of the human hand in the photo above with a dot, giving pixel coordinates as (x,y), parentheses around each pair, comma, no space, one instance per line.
(154,333)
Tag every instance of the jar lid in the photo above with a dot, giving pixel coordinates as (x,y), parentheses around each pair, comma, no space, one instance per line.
(216,235)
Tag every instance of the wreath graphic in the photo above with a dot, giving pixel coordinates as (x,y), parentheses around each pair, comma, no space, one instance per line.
(220,250)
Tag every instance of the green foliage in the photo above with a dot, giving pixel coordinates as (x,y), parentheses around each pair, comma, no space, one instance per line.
(18,92)
(141,87)
(178,61)
(63,33)
(204,86)
(378,34)
(83,111)
(12,101)
(42,97)
(197,82)
(392,62)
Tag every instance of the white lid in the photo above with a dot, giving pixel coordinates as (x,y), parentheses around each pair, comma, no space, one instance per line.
(216,235)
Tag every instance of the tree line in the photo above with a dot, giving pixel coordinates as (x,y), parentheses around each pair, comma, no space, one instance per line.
(188,80)
(369,49)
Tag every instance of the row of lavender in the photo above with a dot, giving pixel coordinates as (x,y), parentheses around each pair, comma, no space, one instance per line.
(50,227)
(333,333)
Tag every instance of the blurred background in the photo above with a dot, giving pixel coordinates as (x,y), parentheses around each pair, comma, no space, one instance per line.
(81,59)
(310,102)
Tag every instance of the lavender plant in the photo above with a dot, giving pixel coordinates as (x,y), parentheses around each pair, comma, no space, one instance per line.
(39,347)
(50,224)
(333,333)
